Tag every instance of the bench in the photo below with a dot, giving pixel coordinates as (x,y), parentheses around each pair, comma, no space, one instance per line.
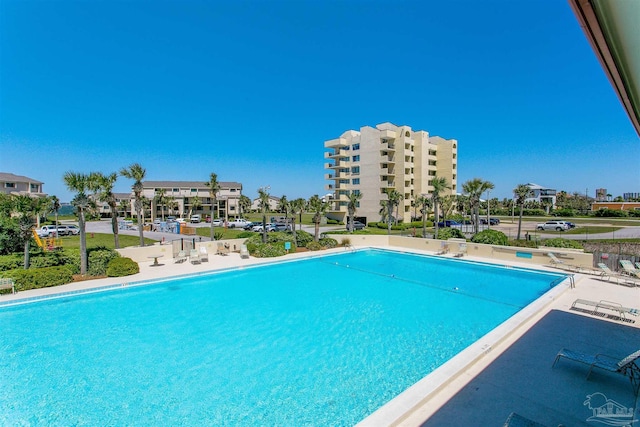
(7,283)
(605,305)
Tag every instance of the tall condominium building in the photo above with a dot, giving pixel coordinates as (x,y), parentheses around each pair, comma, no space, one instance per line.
(372,160)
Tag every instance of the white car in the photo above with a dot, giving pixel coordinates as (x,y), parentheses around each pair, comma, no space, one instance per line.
(48,231)
(553,225)
(240,223)
(195,219)
(73,230)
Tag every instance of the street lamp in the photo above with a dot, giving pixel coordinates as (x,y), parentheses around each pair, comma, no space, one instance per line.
(264,213)
(488,221)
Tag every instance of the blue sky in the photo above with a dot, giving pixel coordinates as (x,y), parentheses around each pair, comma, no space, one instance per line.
(251,89)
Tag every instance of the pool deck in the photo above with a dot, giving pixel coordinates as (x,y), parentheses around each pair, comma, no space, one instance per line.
(514,375)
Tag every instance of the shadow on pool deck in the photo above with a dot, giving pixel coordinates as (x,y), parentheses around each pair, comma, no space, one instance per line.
(522,380)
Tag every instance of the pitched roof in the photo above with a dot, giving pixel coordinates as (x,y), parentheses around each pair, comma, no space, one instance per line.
(9,177)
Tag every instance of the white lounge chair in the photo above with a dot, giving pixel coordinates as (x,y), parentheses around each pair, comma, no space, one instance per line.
(181,257)
(223,249)
(558,263)
(462,250)
(194,257)
(244,252)
(444,248)
(629,269)
(8,283)
(204,255)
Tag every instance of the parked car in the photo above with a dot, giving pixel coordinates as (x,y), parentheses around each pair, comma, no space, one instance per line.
(48,231)
(259,227)
(448,223)
(73,229)
(492,221)
(240,223)
(553,225)
(570,224)
(281,226)
(250,225)
(218,222)
(195,218)
(357,225)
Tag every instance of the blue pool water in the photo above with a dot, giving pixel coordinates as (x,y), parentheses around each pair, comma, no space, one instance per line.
(324,341)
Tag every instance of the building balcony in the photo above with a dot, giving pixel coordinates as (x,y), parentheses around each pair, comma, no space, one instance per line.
(331,176)
(388,134)
(336,143)
(340,154)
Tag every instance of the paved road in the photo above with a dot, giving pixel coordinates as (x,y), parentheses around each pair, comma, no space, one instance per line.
(511,230)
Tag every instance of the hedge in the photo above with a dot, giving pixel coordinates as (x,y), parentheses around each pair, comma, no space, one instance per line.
(491,237)
(119,267)
(39,277)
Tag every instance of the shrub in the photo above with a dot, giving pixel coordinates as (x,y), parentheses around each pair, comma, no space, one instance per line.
(40,277)
(120,266)
(328,242)
(314,246)
(562,243)
(99,259)
(332,221)
(45,259)
(610,213)
(448,233)
(10,238)
(303,238)
(564,212)
(345,241)
(268,250)
(10,262)
(491,237)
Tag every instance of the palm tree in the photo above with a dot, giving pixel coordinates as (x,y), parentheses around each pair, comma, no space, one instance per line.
(284,206)
(299,206)
(124,207)
(80,184)
(439,184)
(195,204)
(55,206)
(424,202)
(244,203)
(522,191)
(447,203)
(393,199)
(137,173)
(172,204)
(104,185)
(263,195)
(318,207)
(160,199)
(474,189)
(26,208)
(214,189)
(352,205)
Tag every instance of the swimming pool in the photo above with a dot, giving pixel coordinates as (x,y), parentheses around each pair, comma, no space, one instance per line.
(321,341)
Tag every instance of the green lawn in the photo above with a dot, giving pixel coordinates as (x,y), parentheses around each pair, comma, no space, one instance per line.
(105,240)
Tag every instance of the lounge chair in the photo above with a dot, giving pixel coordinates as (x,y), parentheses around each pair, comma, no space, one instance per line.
(558,263)
(444,248)
(516,420)
(627,366)
(638,265)
(8,283)
(194,257)
(462,250)
(606,272)
(629,269)
(181,257)
(596,308)
(244,252)
(204,255)
(223,249)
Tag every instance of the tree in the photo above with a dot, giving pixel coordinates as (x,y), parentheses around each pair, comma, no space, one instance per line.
(195,204)
(54,206)
(393,199)
(137,173)
(124,207)
(424,202)
(80,184)
(263,203)
(160,199)
(318,207)
(104,186)
(474,189)
(27,209)
(439,184)
(522,191)
(172,204)
(352,205)
(214,189)
(244,203)
(299,206)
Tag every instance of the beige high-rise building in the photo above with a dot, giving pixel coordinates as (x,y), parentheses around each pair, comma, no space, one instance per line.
(372,160)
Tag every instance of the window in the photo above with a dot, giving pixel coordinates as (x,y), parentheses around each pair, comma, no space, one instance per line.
(355,170)
(34,187)
(194,190)
(9,185)
(176,190)
(356,191)
(355,158)
(355,147)
(355,181)
(233,190)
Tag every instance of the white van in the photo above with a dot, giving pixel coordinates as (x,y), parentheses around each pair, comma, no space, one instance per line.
(196,218)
